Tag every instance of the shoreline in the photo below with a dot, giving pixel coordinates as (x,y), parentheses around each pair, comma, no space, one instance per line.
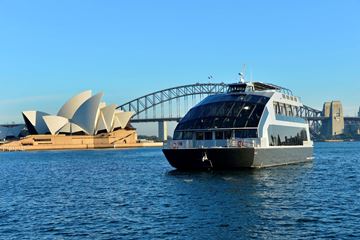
(83,147)
(116,140)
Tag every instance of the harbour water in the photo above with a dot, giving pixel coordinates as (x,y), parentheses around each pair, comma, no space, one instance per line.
(135,194)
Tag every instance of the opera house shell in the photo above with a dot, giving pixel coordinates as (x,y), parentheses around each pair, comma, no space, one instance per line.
(83,114)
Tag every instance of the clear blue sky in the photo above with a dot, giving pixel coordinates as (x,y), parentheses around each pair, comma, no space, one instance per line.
(51,50)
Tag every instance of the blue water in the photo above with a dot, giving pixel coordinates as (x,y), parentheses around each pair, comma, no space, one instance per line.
(135,194)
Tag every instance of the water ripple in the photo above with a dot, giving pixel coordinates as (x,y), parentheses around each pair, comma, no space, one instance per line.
(135,194)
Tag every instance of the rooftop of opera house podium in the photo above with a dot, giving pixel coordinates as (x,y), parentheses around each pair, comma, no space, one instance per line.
(83,122)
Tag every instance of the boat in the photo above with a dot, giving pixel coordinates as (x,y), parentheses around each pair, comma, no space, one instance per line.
(252,125)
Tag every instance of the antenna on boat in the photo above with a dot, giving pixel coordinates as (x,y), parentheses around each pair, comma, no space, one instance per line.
(242,74)
(242,80)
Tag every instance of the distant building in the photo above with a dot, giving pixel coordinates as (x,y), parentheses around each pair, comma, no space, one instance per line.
(10,131)
(352,129)
(334,124)
(83,114)
(359,112)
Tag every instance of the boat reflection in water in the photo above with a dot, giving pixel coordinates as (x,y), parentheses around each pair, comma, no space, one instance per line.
(253,125)
(246,203)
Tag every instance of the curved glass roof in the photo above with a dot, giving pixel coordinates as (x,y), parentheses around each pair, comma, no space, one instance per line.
(225,111)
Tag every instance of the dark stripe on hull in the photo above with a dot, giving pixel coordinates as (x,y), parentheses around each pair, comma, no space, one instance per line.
(233,158)
(281,156)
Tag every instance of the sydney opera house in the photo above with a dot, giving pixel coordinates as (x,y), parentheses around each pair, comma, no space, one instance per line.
(83,122)
(83,114)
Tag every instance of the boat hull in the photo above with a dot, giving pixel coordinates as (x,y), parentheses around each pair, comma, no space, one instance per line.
(235,158)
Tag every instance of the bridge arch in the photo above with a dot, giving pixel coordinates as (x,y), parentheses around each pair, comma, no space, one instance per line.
(143,104)
(159,98)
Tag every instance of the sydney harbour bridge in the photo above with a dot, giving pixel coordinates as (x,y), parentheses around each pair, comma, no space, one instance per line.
(171,105)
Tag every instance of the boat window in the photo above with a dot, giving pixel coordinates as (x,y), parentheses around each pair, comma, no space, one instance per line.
(289,110)
(282,108)
(246,133)
(219,135)
(208,135)
(286,136)
(177,135)
(293,111)
(237,88)
(227,122)
(217,122)
(199,136)
(225,111)
(227,134)
(187,135)
(277,108)
(296,111)
(255,116)
(286,109)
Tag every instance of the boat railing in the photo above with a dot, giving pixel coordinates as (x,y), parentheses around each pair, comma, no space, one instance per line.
(220,143)
(244,142)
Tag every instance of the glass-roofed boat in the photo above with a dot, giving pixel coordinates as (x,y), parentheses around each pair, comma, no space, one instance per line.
(253,125)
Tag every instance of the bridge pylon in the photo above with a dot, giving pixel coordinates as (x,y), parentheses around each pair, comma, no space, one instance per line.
(163,130)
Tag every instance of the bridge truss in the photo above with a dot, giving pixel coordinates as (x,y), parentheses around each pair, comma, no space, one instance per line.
(314,118)
(170,104)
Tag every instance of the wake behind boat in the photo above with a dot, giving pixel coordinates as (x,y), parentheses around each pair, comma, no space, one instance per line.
(253,125)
